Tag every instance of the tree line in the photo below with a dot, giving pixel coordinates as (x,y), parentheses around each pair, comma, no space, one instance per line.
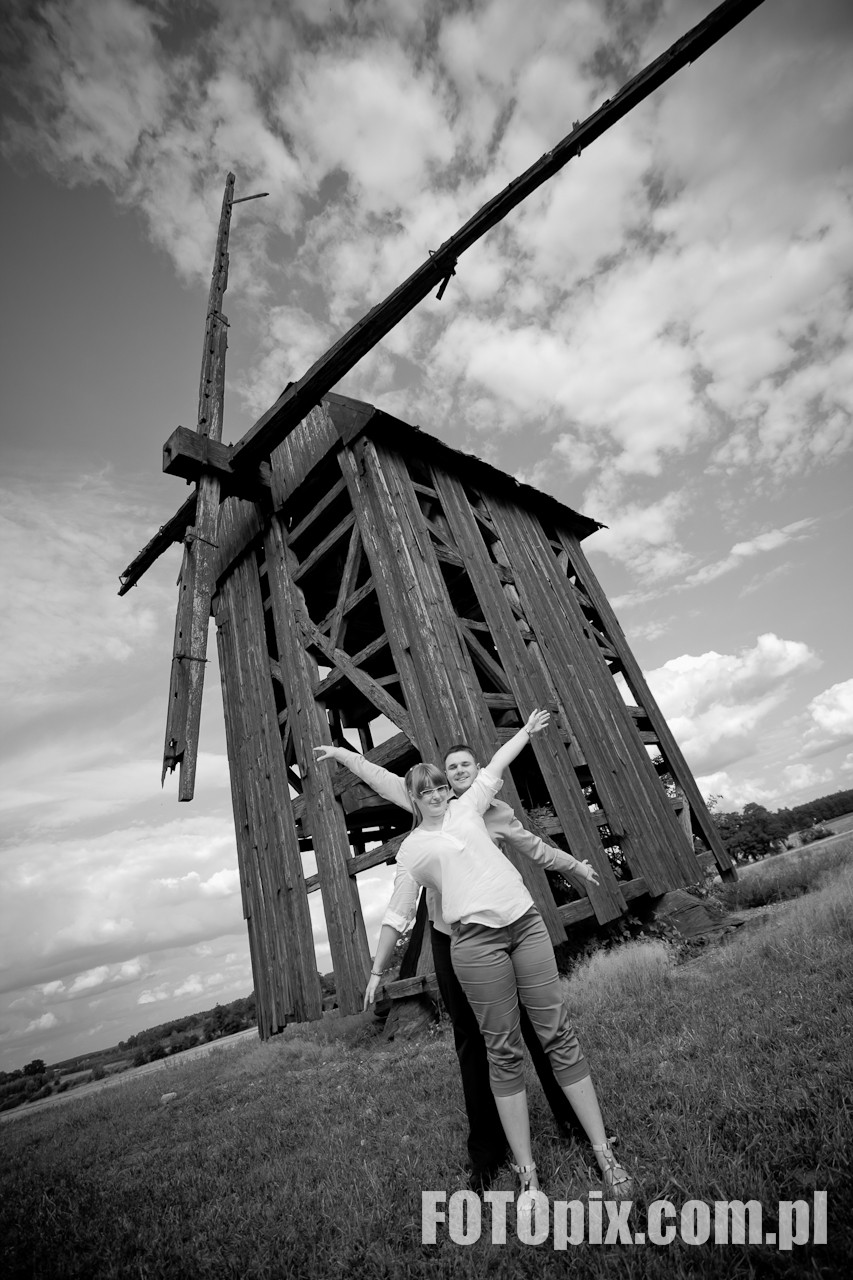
(756,831)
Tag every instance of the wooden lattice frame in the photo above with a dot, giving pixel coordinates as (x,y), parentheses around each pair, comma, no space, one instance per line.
(502,612)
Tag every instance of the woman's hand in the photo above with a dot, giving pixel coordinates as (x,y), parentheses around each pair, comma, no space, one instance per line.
(372,987)
(588,871)
(325,753)
(537,722)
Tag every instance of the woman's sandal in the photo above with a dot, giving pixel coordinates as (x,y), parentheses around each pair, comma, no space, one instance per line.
(525,1172)
(526,1196)
(616,1180)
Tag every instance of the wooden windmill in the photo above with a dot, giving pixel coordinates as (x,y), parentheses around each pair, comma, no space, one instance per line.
(372,585)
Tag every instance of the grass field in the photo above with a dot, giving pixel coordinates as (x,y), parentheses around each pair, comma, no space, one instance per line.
(725,1078)
(840,825)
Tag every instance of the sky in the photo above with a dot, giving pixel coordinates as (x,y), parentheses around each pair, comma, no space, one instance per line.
(661,337)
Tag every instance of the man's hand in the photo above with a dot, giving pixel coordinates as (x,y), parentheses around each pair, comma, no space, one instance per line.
(588,871)
(325,753)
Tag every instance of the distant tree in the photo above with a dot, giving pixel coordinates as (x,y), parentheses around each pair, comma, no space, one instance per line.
(156,1053)
(34,1068)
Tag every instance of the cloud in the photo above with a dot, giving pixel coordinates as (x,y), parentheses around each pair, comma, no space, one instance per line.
(644,538)
(107,904)
(60,542)
(715,702)
(831,714)
(659,296)
(152,997)
(92,978)
(193,986)
(762,543)
(803,777)
(733,793)
(45,1023)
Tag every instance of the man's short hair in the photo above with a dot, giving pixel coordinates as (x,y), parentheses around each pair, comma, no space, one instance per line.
(460,746)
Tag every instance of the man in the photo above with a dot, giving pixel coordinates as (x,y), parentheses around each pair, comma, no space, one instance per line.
(487,1145)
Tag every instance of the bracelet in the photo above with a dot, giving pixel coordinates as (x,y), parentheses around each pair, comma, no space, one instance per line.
(374,974)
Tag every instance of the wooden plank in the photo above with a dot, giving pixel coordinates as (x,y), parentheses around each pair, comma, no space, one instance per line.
(369,651)
(387,755)
(348,578)
(189,455)
(384,703)
(361,593)
(623,774)
(172,531)
(642,693)
(281,937)
(317,510)
(386,852)
(531,690)
(196,581)
(310,728)
(381,555)
(573,912)
(311,444)
(483,658)
(323,547)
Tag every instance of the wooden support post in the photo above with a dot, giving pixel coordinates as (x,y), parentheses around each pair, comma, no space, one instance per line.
(275,903)
(526,678)
(642,694)
(195,585)
(638,811)
(310,728)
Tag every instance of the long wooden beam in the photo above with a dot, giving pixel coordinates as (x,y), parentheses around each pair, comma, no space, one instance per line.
(172,531)
(300,397)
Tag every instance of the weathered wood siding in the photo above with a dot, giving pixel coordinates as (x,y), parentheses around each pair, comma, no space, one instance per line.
(275,902)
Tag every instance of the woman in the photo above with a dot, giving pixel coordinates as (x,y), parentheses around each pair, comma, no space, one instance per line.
(501,950)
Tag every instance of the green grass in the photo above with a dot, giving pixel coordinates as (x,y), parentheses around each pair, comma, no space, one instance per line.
(786,876)
(728,1077)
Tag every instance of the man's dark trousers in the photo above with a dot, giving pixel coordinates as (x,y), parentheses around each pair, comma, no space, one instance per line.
(487,1144)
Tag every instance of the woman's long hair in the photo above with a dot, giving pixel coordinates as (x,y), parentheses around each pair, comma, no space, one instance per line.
(418,777)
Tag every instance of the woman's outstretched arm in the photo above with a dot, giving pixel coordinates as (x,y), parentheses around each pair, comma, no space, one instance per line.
(386,784)
(504,756)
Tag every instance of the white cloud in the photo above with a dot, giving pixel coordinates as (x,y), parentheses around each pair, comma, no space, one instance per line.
(643,538)
(831,714)
(770,540)
(60,544)
(192,986)
(734,793)
(91,978)
(152,996)
(45,1023)
(715,702)
(803,777)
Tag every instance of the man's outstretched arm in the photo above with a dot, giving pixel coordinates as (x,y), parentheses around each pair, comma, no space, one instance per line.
(502,824)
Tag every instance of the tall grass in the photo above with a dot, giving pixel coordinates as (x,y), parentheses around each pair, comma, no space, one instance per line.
(728,1078)
(787,876)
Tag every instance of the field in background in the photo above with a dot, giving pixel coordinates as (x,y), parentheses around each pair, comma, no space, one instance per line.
(840,825)
(725,1078)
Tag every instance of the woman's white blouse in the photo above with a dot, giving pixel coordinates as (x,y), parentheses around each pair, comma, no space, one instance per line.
(477,883)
